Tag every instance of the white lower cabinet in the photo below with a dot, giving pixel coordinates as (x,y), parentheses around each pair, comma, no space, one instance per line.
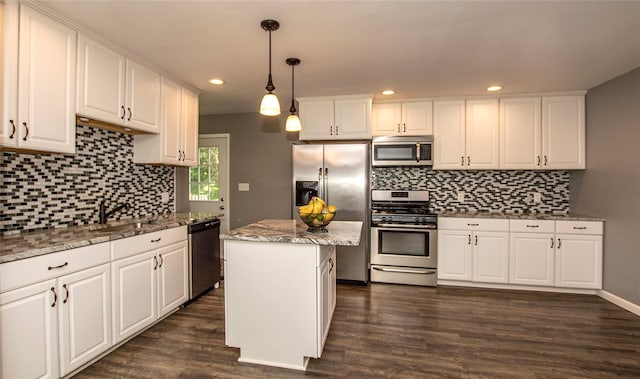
(149,279)
(545,253)
(29,332)
(279,300)
(579,258)
(54,312)
(473,250)
(532,257)
(327,287)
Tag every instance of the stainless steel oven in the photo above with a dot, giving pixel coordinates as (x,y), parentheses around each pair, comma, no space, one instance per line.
(404,240)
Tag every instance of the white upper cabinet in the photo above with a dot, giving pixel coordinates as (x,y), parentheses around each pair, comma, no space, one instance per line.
(177,143)
(520,133)
(415,119)
(449,135)
(38,111)
(116,89)
(482,134)
(563,132)
(542,133)
(339,117)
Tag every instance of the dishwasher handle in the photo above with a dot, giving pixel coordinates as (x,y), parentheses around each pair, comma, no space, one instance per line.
(203,225)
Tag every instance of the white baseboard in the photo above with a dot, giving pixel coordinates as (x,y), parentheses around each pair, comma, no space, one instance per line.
(459,283)
(622,303)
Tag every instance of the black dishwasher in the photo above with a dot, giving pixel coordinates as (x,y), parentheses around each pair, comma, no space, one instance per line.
(204,256)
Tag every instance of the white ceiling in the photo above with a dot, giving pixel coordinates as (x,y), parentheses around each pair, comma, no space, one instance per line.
(418,48)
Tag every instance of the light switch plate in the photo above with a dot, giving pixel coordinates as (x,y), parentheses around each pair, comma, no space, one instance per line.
(243,187)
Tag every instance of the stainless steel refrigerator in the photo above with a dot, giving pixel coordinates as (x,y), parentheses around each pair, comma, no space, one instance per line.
(339,174)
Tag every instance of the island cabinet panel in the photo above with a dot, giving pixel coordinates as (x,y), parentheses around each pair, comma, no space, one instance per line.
(274,299)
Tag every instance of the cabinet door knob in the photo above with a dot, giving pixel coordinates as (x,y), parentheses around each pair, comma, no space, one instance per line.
(469,241)
(398,128)
(462,160)
(404,127)
(476,241)
(161,260)
(26,131)
(538,162)
(545,160)
(155,262)
(130,114)
(552,242)
(468,160)
(331,130)
(559,243)
(123,112)
(337,130)
(13,129)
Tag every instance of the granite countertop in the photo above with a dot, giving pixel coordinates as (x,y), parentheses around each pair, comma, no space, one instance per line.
(346,233)
(522,216)
(31,244)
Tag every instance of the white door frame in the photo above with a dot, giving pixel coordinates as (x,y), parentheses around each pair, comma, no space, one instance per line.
(227,209)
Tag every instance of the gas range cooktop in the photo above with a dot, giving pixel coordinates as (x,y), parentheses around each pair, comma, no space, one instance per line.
(400,207)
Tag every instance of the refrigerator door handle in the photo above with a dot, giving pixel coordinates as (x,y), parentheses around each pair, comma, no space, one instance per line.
(326,185)
(320,184)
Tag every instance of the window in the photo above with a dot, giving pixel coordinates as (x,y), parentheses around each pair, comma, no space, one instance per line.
(204,183)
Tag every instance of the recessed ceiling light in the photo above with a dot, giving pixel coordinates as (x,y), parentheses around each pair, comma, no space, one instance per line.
(388,92)
(494,88)
(217,82)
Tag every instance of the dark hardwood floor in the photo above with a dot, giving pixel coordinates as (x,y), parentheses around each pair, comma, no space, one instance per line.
(394,331)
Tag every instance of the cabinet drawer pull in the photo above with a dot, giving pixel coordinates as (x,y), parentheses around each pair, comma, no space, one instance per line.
(533,226)
(538,162)
(469,224)
(55,297)
(155,263)
(124,112)
(476,242)
(129,118)
(559,243)
(157,239)
(404,127)
(469,241)
(545,160)
(462,160)
(398,128)
(59,266)
(26,129)
(552,242)
(580,227)
(161,260)
(330,264)
(330,130)
(468,160)
(13,129)
(66,290)
(337,130)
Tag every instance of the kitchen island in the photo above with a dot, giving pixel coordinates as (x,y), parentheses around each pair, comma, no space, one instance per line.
(280,289)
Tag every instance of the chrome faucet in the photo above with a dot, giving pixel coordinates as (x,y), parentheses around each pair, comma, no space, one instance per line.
(103,214)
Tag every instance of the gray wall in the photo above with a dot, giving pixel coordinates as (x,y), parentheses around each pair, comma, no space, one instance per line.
(260,154)
(610,186)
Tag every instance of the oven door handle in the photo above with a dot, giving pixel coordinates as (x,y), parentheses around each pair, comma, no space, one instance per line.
(406,226)
(405,270)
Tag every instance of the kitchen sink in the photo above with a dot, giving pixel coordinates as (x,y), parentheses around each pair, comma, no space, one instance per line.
(126,227)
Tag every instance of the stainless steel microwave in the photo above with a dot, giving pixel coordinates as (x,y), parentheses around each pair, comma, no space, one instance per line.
(402,151)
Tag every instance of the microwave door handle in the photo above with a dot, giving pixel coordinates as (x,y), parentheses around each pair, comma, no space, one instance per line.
(417,151)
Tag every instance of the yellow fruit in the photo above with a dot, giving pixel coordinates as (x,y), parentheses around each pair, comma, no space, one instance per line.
(328,217)
(316,198)
(332,209)
(317,207)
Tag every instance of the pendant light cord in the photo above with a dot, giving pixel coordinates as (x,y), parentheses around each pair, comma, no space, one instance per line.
(293,97)
(270,87)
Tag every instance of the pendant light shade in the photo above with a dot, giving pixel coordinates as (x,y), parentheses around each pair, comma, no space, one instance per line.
(293,123)
(270,106)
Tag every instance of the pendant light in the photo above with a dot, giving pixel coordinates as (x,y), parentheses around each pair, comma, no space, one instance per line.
(270,106)
(293,121)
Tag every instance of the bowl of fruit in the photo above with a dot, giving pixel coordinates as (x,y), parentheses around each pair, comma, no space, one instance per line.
(317,215)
